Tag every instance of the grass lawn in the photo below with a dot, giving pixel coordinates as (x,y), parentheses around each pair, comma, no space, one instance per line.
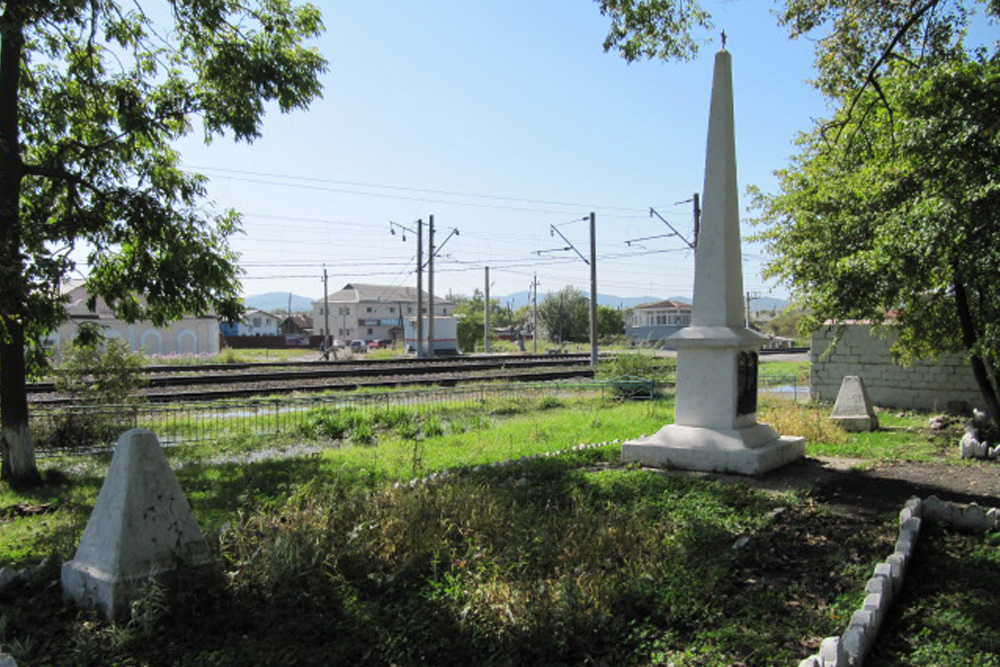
(564,560)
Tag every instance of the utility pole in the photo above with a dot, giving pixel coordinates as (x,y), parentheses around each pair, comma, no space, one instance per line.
(326,313)
(593,290)
(534,314)
(487,332)
(420,288)
(697,218)
(750,297)
(420,279)
(430,289)
(592,262)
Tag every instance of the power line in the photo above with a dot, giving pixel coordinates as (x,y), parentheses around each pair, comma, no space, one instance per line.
(445,193)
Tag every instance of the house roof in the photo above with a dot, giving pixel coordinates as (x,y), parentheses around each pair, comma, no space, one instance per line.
(258,311)
(661,305)
(361,292)
(76,295)
(301,321)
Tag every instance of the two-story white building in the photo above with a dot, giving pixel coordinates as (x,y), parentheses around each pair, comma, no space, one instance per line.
(651,323)
(259,323)
(371,312)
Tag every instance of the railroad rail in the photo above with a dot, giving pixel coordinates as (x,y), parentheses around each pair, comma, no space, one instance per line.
(326,376)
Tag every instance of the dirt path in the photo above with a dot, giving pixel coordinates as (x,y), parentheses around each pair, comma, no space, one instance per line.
(856,485)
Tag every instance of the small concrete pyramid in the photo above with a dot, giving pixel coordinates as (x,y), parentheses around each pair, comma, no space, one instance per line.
(853,410)
(141,527)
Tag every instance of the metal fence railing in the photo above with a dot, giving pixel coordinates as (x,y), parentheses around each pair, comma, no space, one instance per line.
(95,428)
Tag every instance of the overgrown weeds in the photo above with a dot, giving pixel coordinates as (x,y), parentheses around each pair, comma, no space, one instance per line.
(557,561)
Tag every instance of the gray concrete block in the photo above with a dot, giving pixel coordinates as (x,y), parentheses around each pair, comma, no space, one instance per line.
(141,527)
(832,653)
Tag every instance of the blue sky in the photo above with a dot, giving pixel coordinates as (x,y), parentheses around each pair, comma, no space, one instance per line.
(501,119)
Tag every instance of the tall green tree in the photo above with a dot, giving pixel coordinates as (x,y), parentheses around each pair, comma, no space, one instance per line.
(901,226)
(471,314)
(855,41)
(565,315)
(92,95)
(610,321)
(889,212)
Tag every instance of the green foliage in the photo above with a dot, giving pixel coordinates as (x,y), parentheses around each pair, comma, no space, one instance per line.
(786,324)
(610,322)
(654,28)
(93,96)
(548,562)
(564,560)
(627,371)
(471,314)
(99,371)
(96,372)
(855,40)
(944,615)
(902,215)
(636,364)
(565,316)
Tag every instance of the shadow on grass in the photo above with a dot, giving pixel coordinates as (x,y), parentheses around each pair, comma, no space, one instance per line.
(946,614)
(549,562)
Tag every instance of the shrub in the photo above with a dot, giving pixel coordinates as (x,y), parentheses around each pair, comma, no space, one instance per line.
(626,370)
(433,427)
(97,371)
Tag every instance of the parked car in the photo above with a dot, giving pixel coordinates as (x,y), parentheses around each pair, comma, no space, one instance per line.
(374,344)
(338,344)
(358,346)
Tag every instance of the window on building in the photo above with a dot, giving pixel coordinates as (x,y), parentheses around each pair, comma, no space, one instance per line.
(369,309)
(409,310)
(371,331)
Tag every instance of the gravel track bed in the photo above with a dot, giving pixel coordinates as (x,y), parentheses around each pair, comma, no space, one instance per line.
(341,383)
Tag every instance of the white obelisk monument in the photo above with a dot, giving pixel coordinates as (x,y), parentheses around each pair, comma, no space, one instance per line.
(715,422)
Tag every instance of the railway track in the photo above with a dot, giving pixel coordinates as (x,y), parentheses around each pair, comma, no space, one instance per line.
(211,383)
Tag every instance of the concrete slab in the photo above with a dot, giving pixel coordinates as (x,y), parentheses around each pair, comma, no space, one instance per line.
(751,451)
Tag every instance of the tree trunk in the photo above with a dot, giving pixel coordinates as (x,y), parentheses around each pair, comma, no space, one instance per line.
(979,369)
(19,467)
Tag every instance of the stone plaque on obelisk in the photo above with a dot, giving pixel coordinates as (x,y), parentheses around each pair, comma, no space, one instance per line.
(715,422)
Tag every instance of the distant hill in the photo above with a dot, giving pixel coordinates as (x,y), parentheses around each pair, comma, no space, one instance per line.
(768,303)
(278,301)
(519,299)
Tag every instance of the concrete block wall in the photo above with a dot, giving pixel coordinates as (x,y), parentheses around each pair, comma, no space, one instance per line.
(925,385)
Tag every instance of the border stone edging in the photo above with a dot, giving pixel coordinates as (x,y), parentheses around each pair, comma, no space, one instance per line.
(851,648)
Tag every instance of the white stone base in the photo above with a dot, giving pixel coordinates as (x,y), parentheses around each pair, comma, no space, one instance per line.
(111,593)
(856,423)
(752,450)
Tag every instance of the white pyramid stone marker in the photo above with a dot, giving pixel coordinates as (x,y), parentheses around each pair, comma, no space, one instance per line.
(141,527)
(716,426)
(853,410)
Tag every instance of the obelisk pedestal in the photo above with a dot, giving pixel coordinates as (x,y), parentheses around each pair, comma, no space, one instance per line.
(715,422)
